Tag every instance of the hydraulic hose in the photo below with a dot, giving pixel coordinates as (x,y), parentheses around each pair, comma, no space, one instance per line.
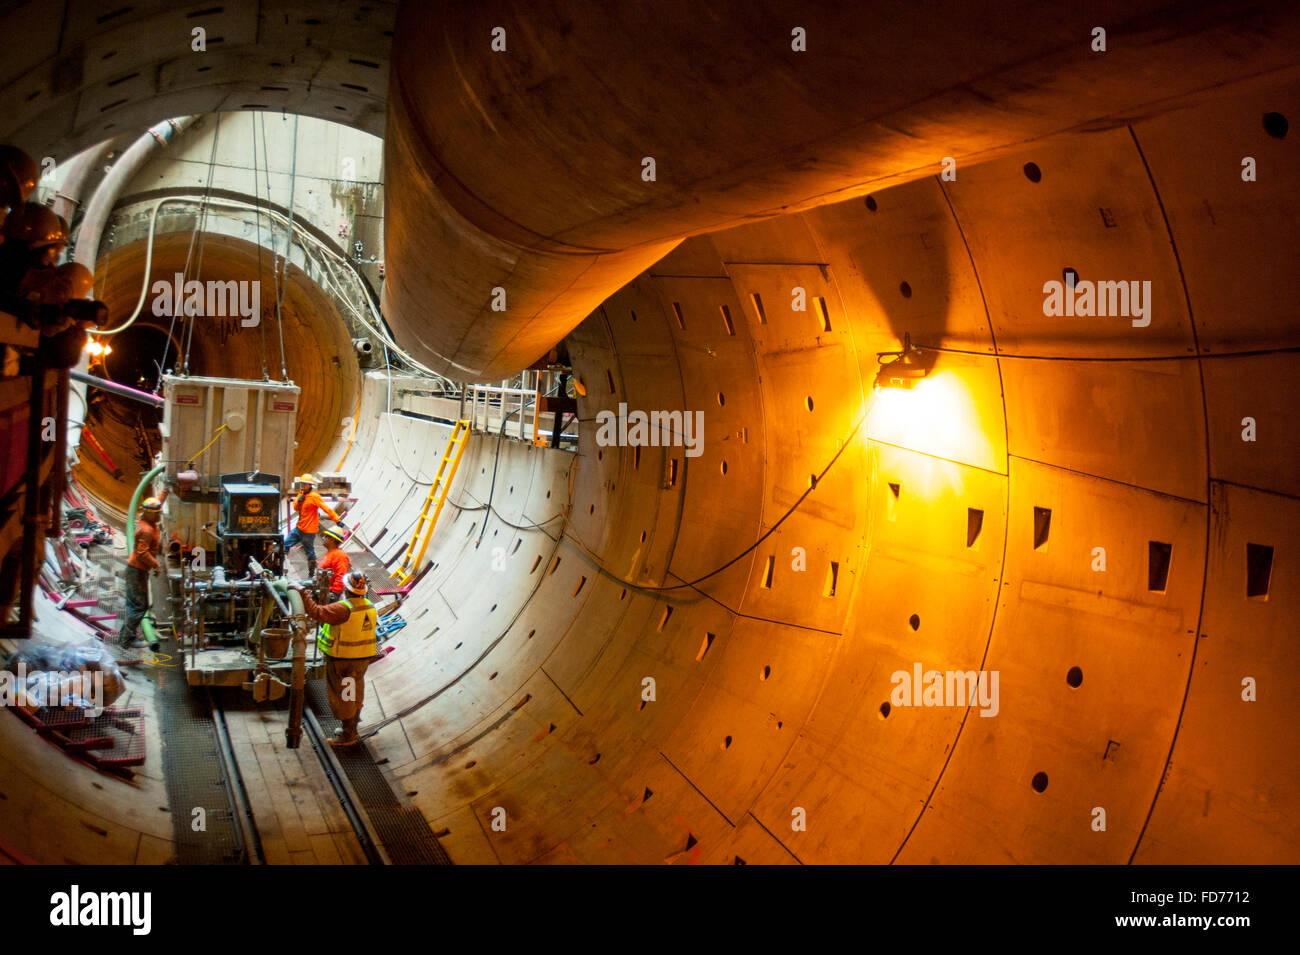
(150,634)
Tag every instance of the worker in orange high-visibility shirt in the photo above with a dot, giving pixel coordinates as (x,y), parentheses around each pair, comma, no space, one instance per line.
(336,559)
(308,505)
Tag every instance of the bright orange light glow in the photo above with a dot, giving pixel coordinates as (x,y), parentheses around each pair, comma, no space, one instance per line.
(94,347)
(937,415)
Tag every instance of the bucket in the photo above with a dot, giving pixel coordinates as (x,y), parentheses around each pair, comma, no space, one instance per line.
(276,640)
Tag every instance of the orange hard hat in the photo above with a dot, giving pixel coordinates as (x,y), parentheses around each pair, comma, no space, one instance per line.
(18,175)
(58,285)
(36,225)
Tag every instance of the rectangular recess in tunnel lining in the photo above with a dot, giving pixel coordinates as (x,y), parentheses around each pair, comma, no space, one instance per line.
(535,563)
(578,589)
(726,319)
(1042,526)
(205,12)
(554,567)
(609,378)
(974,524)
(109,16)
(832,579)
(677,310)
(672,472)
(704,646)
(1259,570)
(822,313)
(767,572)
(1158,555)
(891,502)
(758,307)
(663,621)
(636,456)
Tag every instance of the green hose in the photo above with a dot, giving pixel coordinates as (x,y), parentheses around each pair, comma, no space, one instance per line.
(150,634)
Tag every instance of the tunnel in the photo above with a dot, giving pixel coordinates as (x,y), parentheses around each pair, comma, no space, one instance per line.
(936,485)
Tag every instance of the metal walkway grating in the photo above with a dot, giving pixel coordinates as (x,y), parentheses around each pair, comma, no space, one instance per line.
(403,830)
(196,776)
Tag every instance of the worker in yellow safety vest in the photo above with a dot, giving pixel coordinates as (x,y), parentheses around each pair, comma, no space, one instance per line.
(349,641)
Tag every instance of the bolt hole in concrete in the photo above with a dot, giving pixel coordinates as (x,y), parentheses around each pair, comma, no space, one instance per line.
(914,622)
(457,646)
(767,672)
(884,710)
(1259,570)
(1070,277)
(1039,782)
(1032,172)
(494,675)
(726,742)
(1074,677)
(809,402)
(643,537)
(492,609)
(870,203)
(471,764)
(1158,557)
(1275,125)
(905,289)
(530,634)
(1042,526)
(722,399)
(723,467)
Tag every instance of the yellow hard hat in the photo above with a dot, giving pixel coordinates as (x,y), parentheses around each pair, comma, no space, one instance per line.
(308,478)
(18,175)
(36,225)
(334,533)
(152,504)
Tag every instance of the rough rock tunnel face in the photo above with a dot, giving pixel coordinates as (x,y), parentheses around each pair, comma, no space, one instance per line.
(642,655)
(317,351)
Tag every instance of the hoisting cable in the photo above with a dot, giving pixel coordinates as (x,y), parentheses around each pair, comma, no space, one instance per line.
(257,200)
(189,254)
(282,282)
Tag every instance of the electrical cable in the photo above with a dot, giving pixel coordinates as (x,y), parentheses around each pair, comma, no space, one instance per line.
(257,197)
(282,282)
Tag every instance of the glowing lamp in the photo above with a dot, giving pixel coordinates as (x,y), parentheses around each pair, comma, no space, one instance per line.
(901,369)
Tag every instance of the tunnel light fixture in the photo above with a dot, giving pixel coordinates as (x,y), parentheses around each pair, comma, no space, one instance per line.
(902,369)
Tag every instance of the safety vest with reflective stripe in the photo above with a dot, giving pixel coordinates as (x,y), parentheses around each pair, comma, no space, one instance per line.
(356,637)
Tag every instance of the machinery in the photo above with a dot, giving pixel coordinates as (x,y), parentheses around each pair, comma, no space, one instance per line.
(235,620)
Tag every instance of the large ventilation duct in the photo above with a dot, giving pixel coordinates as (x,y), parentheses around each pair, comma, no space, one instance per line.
(519,146)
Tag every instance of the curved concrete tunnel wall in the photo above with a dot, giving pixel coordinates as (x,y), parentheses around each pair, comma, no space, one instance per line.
(524,684)
(526,168)
(1128,435)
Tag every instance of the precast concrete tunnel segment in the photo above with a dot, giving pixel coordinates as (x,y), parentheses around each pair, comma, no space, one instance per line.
(641,654)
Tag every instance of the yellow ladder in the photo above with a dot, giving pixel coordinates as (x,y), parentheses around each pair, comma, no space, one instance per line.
(437,497)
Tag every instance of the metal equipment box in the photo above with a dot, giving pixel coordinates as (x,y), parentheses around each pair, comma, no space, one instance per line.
(219,426)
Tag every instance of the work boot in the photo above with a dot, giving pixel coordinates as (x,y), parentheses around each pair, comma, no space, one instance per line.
(345,741)
(311,568)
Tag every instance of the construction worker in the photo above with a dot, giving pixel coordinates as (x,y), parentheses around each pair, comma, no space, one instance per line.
(142,562)
(349,641)
(336,560)
(308,505)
